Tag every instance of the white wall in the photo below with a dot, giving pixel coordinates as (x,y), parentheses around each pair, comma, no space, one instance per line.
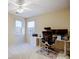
(12,38)
(55,20)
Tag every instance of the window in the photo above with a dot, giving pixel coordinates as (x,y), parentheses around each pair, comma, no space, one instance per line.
(18,27)
(18,24)
(31,24)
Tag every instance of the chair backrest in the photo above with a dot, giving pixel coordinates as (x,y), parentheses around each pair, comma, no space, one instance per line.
(47,37)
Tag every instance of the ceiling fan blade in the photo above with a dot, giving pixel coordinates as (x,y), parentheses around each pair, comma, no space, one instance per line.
(27,9)
(26,4)
(13,3)
(13,9)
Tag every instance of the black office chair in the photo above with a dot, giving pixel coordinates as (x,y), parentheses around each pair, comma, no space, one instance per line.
(48,40)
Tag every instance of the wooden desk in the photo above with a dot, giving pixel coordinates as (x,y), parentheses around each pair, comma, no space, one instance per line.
(60,44)
(66,47)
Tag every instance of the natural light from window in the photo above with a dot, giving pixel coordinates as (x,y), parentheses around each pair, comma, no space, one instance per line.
(18,24)
(31,24)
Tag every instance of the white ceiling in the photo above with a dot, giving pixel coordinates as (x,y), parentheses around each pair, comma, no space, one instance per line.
(39,6)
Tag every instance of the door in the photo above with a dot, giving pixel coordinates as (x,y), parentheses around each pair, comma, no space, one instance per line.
(31,30)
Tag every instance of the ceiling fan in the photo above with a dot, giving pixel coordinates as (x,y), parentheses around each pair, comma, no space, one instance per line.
(21,5)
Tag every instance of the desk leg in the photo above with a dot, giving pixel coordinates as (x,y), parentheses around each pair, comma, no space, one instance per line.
(65,48)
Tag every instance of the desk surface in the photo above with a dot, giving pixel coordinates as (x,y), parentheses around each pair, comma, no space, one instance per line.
(64,40)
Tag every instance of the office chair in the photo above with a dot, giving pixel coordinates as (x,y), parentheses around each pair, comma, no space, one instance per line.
(48,40)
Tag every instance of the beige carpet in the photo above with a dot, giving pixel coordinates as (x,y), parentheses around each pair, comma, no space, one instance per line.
(26,51)
(47,53)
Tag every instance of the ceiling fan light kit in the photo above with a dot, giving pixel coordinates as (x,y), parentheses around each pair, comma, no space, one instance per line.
(21,5)
(20,10)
